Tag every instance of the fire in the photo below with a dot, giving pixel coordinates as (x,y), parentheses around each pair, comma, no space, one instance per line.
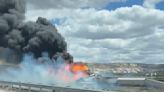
(79,67)
(71,72)
(79,70)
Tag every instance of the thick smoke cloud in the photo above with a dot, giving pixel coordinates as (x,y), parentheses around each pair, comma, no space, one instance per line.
(35,37)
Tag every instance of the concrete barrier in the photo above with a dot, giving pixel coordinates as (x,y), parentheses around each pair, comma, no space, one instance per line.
(131,81)
(140,82)
(154,83)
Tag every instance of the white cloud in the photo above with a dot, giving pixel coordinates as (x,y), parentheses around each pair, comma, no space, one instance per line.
(129,22)
(89,50)
(121,23)
(127,34)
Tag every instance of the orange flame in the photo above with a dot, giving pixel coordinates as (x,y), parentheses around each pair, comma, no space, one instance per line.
(80,70)
(72,72)
(79,67)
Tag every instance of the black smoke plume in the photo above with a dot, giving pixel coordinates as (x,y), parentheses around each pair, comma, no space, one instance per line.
(34,37)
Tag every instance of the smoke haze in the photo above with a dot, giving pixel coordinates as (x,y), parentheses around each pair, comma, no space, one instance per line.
(52,72)
(34,37)
(29,70)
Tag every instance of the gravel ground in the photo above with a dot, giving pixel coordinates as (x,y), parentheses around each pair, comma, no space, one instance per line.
(1,90)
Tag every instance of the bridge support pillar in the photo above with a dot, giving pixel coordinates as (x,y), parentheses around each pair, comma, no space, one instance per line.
(3,86)
(19,87)
(29,89)
(11,86)
(40,89)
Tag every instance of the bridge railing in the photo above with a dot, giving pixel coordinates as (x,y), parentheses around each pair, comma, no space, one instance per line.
(30,87)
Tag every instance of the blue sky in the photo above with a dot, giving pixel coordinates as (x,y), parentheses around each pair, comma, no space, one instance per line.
(160,5)
(128,3)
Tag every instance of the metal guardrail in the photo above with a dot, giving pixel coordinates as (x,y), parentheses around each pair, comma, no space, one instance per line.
(39,87)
